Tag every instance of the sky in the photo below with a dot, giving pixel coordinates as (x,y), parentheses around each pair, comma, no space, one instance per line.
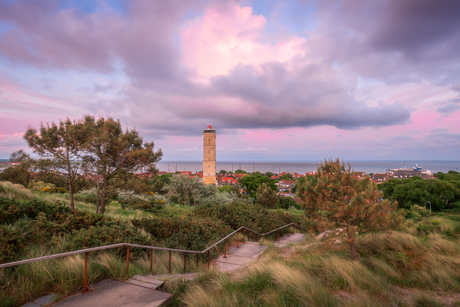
(296,80)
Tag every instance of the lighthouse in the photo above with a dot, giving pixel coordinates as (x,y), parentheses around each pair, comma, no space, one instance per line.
(209,155)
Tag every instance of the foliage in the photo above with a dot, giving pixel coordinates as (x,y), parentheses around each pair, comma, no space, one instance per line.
(286,202)
(269,174)
(160,181)
(193,233)
(335,198)
(251,183)
(287,176)
(266,196)
(417,211)
(252,216)
(441,194)
(61,145)
(240,171)
(19,174)
(111,151)
(27,222)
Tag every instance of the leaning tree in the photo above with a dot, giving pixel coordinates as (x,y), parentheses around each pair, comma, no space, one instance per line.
(60,145)
(338,203)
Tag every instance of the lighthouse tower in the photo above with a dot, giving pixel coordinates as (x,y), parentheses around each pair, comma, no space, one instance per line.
(209,155)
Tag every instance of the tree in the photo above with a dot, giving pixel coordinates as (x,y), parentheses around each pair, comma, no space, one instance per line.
(269,174)
(19,174)
(285,202)
(252,182)
(287,176)
(335,198)
(240,171)
(160,181)
(223,172)
(109,151)
(441,194)
(60,144)
(266,196)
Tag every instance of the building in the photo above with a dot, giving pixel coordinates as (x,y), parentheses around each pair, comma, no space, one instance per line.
(209,155)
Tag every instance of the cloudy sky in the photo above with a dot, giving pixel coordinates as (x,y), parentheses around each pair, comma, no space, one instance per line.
(279,80)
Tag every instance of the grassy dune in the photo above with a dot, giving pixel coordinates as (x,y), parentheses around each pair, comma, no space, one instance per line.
(410,267)
(396,269)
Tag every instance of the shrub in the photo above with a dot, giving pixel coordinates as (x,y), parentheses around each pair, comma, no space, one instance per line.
(252,216)
(192,233)
(418,211)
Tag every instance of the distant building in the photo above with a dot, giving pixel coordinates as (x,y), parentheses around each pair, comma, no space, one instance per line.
(380,177)
(285,185)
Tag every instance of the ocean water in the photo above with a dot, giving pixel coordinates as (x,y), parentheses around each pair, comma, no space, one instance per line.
(303,167)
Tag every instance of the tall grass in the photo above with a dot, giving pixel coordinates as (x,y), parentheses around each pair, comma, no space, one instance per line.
(65,275)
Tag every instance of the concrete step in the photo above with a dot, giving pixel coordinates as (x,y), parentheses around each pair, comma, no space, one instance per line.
(145,281)
(114,293)
(240,257)
(292,238)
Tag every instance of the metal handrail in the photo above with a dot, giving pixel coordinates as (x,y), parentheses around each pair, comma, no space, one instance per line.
(128,245)
(104,247)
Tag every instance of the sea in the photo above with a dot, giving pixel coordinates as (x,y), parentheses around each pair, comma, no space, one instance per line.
(309,166)
(301,167)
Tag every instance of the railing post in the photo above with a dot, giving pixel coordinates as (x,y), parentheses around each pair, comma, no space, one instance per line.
(85,287)
(127,262)
(169,262)
(208,259)
(185,262)
(237,240)
(151,258)
(225,248)
(288,231)
(243,234)
(196,259)
(278,235)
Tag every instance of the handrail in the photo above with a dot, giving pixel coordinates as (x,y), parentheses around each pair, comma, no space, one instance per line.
(104,247)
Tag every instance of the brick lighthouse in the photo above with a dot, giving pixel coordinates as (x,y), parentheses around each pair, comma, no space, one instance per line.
(209,155)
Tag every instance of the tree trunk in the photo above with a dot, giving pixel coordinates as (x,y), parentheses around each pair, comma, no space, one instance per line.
(69,180)
(104,195)
(97,193)
(351,238)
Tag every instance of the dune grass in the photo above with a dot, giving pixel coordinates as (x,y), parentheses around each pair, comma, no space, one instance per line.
(396,269)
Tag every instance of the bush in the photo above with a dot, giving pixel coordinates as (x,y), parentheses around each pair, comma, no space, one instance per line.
(427,228)
(25,223)
(192,233)
(252,216)
(418,211)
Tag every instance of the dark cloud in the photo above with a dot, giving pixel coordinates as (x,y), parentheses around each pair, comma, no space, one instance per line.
(393,40)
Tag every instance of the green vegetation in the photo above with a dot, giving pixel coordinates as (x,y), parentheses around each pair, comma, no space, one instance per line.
(34,223)
(334,198)
(251,183)
(439,194)
(414,264)
(400,268)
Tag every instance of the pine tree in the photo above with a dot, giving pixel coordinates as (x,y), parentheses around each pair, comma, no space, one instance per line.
(60,144)
(110,151)
(266,196)
(334,198)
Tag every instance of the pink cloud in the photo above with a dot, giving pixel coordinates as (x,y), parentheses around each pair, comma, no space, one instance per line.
(232,35)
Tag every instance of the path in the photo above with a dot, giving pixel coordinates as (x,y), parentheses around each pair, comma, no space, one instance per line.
(240,257)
